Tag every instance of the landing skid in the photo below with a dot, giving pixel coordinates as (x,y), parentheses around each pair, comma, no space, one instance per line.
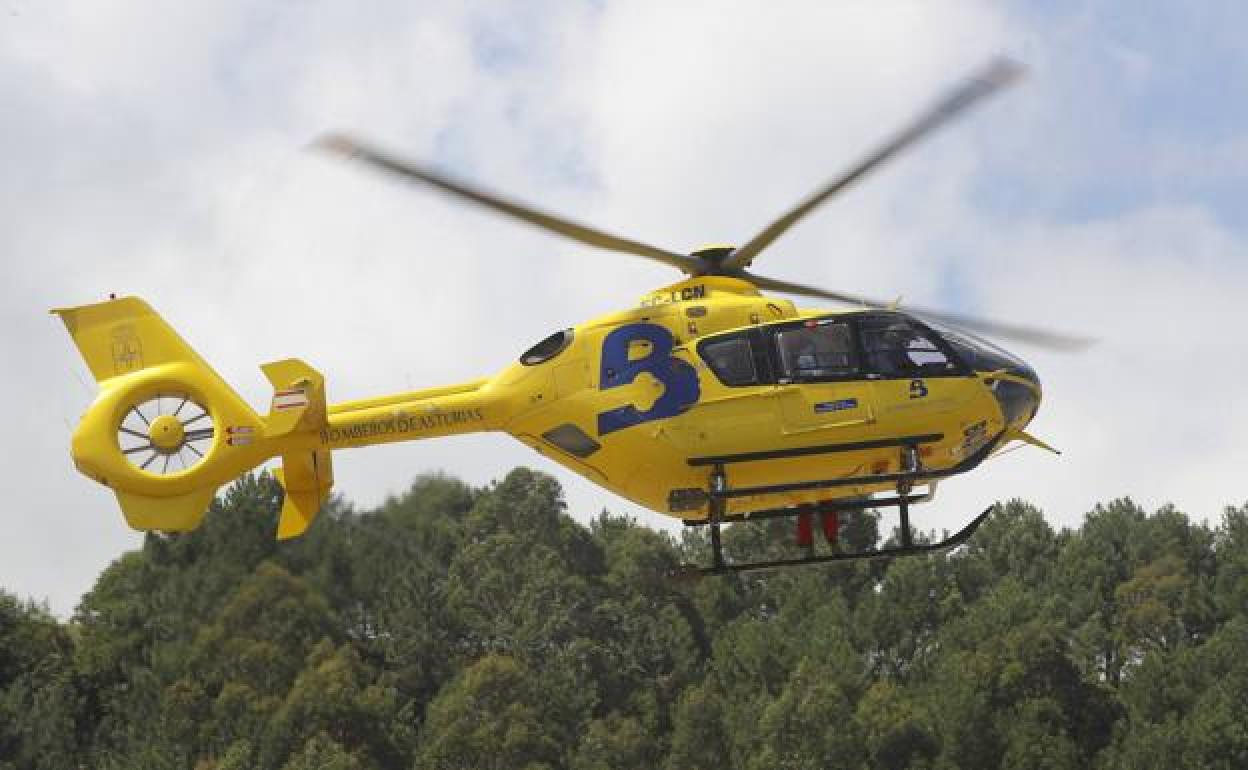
(722,568)
(717,494)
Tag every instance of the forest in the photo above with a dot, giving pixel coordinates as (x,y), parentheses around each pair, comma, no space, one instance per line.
(464,627)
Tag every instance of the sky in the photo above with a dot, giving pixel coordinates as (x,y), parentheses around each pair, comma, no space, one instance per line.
(160,149)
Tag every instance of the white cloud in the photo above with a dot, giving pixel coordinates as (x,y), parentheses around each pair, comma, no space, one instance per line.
(1155,410)
(157,150)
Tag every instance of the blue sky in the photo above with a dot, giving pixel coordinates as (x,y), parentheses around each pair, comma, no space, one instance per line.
(1150,113)
(158,149)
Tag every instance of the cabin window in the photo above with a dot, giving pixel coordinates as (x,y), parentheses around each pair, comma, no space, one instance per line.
(731,359)
(547,348)
(815,351)
(897,348)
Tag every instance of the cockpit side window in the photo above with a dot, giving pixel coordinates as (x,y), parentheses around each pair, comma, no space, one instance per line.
(732,360)
(816,351)
(897,348)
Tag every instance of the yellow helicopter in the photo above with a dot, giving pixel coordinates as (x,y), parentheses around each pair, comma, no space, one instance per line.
(707,401)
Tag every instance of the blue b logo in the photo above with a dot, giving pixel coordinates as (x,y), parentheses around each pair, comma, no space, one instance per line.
(680,380)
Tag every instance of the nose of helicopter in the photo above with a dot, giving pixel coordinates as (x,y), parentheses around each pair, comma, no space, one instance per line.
(1019,396)
(1019,401)
(1015,385)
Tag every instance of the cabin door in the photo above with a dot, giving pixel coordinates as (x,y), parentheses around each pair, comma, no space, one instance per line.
(819,385)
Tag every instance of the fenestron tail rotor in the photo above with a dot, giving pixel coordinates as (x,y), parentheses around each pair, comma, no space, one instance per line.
(166,434)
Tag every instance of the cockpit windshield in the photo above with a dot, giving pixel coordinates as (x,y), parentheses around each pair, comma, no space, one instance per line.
(981,355)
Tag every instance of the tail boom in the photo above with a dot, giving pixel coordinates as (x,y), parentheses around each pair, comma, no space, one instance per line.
(449,411)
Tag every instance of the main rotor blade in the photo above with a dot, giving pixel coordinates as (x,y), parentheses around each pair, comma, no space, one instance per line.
(1008,331)
(1000,72)
(345,145)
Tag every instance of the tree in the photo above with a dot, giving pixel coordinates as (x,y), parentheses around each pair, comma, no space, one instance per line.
(337,708)
(1015,541)
(700,737)
(897,731)
(499,714)
(810,725)
(40,705)
(615,743)
(1231,553)
(461,627)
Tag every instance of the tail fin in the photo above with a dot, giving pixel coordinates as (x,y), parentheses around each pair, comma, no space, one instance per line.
(165,431)
(124,336)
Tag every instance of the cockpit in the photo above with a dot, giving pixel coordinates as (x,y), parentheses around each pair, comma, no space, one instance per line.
(883,347)
(858,346)
(871,345)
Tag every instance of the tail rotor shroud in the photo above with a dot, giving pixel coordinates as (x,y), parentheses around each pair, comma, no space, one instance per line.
(157,430)
(166,434)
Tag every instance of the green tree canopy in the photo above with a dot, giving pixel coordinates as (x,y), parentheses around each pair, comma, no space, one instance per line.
(462,627)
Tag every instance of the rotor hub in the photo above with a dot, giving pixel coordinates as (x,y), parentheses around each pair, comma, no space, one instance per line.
(166,433)
(713,256)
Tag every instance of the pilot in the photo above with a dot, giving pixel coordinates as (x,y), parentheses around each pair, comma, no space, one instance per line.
(887,349)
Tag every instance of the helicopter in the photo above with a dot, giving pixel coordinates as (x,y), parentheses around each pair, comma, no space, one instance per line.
(708,401)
